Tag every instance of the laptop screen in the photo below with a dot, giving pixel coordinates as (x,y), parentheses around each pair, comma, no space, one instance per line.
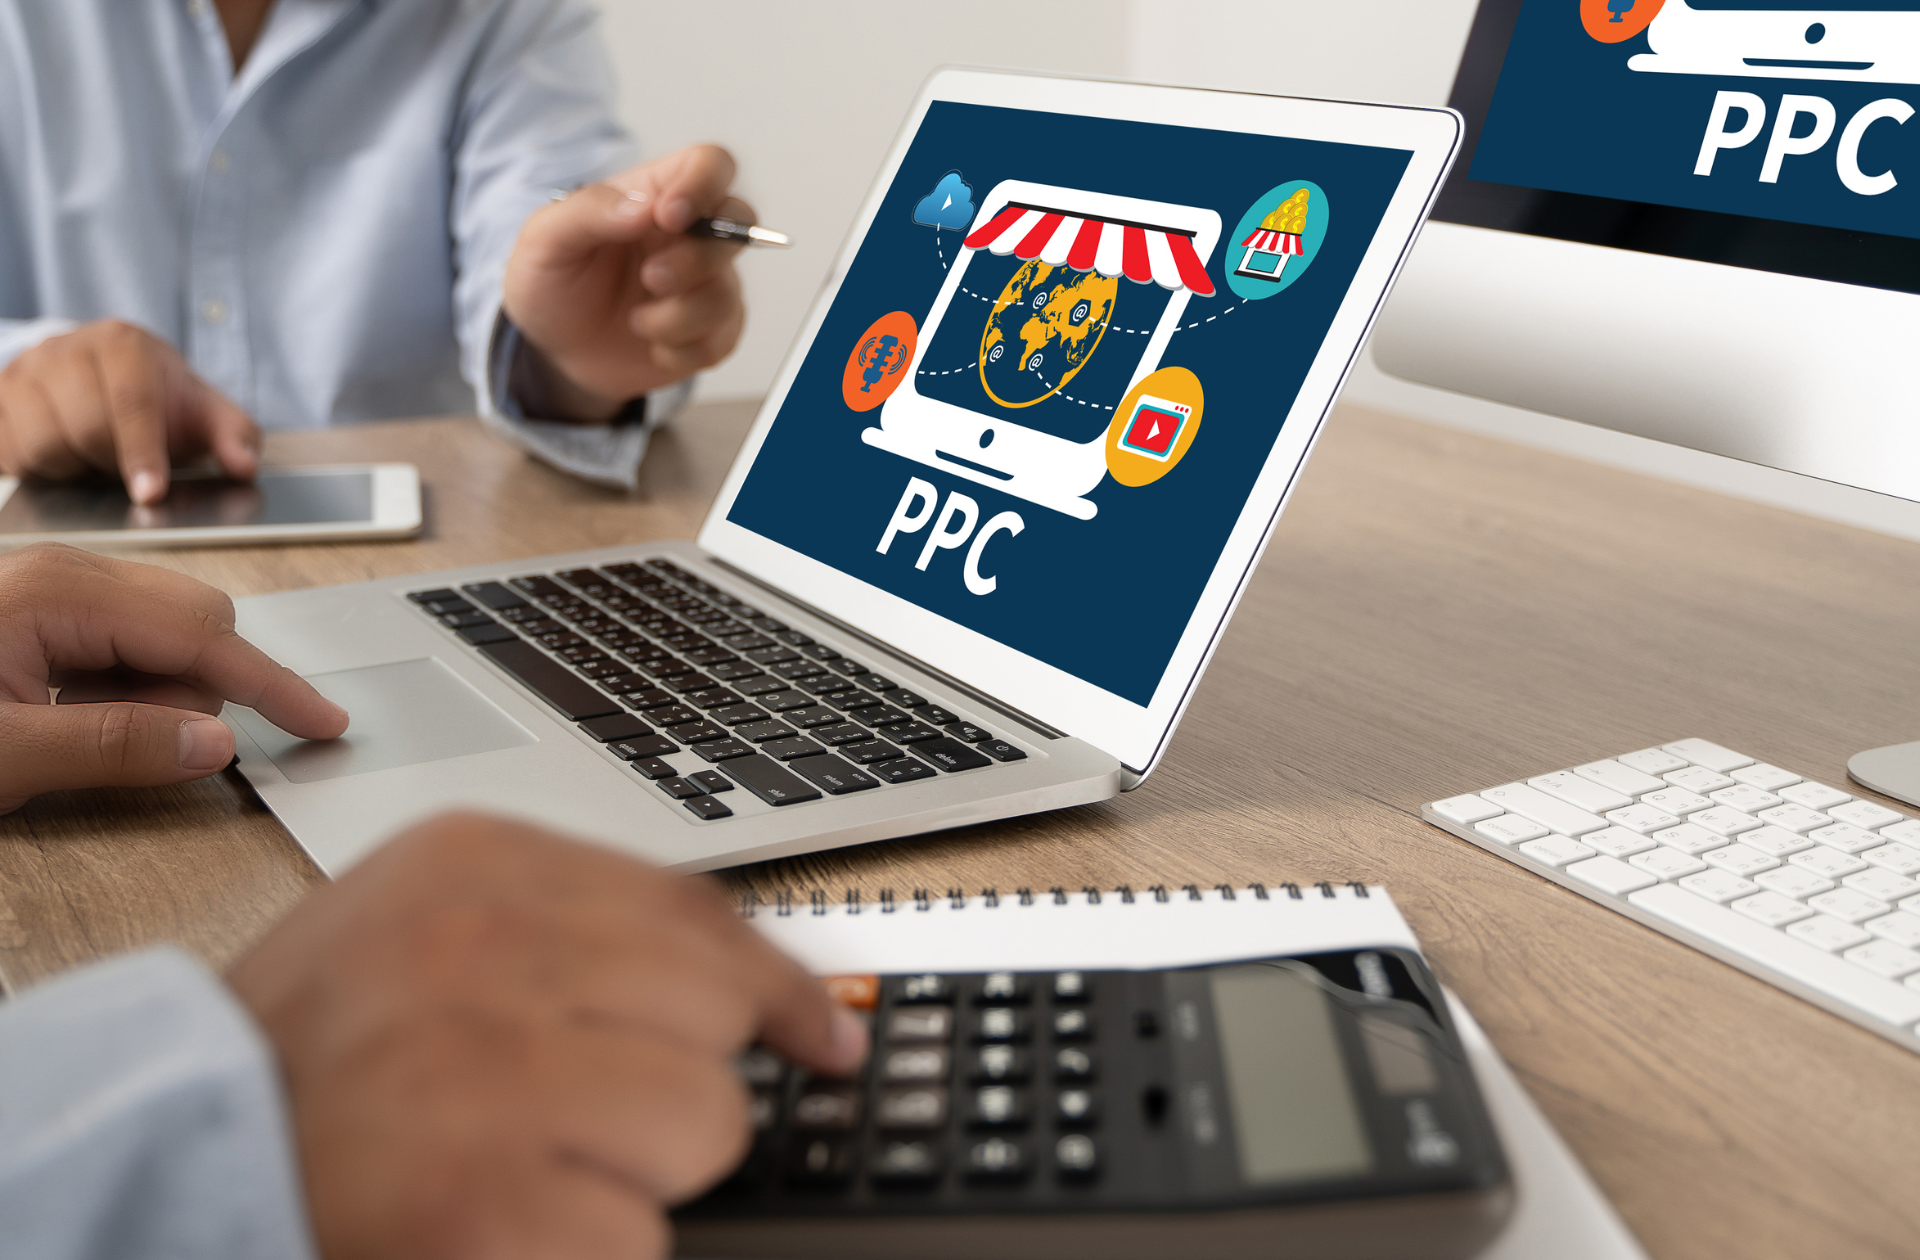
(1038,403)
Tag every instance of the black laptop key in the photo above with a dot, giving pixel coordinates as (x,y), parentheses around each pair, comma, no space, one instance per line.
(712,698)
(967,732)
(665,667)
(911,733)
(707,809)
(884,715)
(444,607)
(466,620)
(621,684)
(908,699)
(620,726)
(652,766)
(852,669)
(433,596)
(644,651)
(821,652)
(649,698)
(855,699)
(788,749)
(1001,750)
(724,749)
(746,640)
(812,715)
(761,732)
(794,671)
(525,614)
(688,683)
(832,775)
(784,701)
(686,641)
(793,638)
(679,789)
(736,714)
(935,715)
(550,680)
(711,780)
(840,733)
(600,667)
(875,683)
(645,748)
(711,656)
(767,625)
(825,685)
(902,770)
(492,632)
(950,754)
(770,782)
(694,732)
(729,671)
(760,685)
(866,752)
(537,585)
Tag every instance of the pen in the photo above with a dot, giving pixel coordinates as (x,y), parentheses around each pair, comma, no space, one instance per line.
(747,234)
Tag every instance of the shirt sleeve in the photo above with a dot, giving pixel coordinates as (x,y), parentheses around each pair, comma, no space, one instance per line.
(141,1115)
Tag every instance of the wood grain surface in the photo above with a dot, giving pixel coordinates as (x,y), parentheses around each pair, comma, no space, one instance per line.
(1438,612)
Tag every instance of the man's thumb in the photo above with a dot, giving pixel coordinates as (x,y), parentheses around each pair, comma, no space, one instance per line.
(55,746)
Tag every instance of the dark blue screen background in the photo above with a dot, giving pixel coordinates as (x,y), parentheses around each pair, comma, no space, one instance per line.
(1105,600)
(1569,116)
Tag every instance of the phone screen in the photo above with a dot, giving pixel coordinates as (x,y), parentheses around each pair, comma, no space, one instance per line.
(275,498)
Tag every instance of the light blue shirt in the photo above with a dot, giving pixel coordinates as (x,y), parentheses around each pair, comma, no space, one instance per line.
(324,235)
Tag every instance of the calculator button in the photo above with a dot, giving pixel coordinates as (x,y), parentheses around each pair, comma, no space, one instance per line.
(907,1161)
(1070,986)
(1073,1107)
(997,1107)
(1001,1063)
(827,1107)
(762,1109)
(928,1063)
(925,1023)
(1071,1063)
(997,1159)
(820,1160)
(921,1108)
(924,989)
(757,1067)
(1074,1025)
(862,993)
(1004,986)
(1002,1023)
(1076,1156)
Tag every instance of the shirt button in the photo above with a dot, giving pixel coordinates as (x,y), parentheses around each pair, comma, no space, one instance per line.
(197,9)
(214,311)
(218,162)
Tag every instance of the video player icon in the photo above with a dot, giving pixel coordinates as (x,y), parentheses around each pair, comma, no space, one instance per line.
(1155,426)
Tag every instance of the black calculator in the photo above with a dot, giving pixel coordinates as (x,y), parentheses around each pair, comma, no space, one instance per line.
(1317,1106)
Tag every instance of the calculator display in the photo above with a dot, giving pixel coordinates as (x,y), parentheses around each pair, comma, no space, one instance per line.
(1304,1123)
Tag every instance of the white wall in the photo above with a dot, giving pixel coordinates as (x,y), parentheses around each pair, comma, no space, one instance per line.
(808,94)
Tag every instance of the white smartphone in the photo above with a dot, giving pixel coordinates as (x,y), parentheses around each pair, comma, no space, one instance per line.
(315,504)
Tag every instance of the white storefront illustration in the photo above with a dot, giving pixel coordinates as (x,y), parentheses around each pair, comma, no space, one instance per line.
(1145,242)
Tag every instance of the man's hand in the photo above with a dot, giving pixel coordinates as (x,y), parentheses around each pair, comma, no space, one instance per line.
(113,397)
(501,1044)
(612,296)
(144,658)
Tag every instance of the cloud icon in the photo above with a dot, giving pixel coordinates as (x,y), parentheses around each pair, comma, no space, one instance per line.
(949,205)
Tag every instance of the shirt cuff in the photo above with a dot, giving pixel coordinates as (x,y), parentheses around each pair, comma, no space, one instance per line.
(17,336)
(606,454)
(141,1115)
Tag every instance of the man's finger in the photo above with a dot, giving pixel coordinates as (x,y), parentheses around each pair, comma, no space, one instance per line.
(133,383)
(38,439)
(562,236)
(51,747)
(798,1019)
(228,431)
(110,685)
(687,185)
(687,318)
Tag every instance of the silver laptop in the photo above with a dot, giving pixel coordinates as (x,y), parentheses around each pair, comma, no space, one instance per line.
(982,538)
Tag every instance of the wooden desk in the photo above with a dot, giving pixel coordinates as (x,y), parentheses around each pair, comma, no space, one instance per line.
(1439,612)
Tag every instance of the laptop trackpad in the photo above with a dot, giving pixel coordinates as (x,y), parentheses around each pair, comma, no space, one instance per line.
(403,715)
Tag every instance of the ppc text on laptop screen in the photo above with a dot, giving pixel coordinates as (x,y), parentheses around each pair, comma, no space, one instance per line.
(1055,368)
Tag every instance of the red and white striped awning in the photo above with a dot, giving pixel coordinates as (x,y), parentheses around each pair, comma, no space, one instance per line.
(1137,251)
(1275,242)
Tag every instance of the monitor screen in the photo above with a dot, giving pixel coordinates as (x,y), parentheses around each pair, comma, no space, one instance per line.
(1058,362)
(1771,134)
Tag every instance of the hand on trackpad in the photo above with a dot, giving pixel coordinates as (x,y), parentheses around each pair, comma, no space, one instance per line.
(404,714)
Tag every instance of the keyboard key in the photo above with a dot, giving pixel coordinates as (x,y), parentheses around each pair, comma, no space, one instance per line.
(1738,859)
(841,733)
(997,1106)
(822,1106)
(1745,798)
(1698,779)
(1907,832)
(1884,885)
(824,685)
(998,1159)
(711,781)
(1469,809)
(761,732)
(788,749)
(1075,1107)
(1676,800)
(919,1107)
(1003,1063)
(1651,761)
(551,681)
(466,620)
(1900,927)
(671,715)
(1072,1063)
(1794,818)
(769,781)
(934,715)
(1509,829)
(1899,858)
(917,1063)
(1001,750)
(738,714)
(879,715)
(1642,818)
(1722,821)
(1864,814)
(907,1163)
(492,632)
(832,775)
(680,789)
(1623,779)
(1077,1157)
(723,749)
(1616,842)
(868,751)
(920,1023)
(905,699)
(784,701)
(911,733)
(849,698)
(1555,850)
(433,596)
(1610,875)
(1775,841)
(644,747)
(968,733)
(1827,863)
(811,716)
(712,698)
(1849,905)
(1667,863)
(696,732)
(1812,795)
(612,729)
(1765,777)
(950,754)
(654,768)
(736,671)
(1689,839)
(1580,793)
(1801,961)
(707,808)
(687,682)
(1554,815)
(1771,909)
(705,657)
(1826,933)
(1884,958)
(1845,837)
(902,770)
(1718,886)
(1793,881)
(1712,756)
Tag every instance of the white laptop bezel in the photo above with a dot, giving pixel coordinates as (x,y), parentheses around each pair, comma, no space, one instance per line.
(1134,734)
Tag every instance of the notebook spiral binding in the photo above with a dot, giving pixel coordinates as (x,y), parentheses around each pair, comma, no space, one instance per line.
(817,902)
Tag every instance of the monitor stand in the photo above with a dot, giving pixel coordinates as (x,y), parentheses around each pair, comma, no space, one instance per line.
(1893,770)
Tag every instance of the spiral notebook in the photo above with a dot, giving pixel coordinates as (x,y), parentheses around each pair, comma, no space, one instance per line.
(1559,1212)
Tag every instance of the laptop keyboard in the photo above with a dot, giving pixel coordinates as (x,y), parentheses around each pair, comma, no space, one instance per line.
(652,662)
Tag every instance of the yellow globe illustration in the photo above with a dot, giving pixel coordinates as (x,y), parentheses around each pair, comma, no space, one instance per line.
(1044,326)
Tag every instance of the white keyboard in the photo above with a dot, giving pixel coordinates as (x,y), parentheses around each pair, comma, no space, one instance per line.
(1803,885)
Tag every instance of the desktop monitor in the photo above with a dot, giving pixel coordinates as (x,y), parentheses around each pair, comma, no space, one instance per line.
(1692,220)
